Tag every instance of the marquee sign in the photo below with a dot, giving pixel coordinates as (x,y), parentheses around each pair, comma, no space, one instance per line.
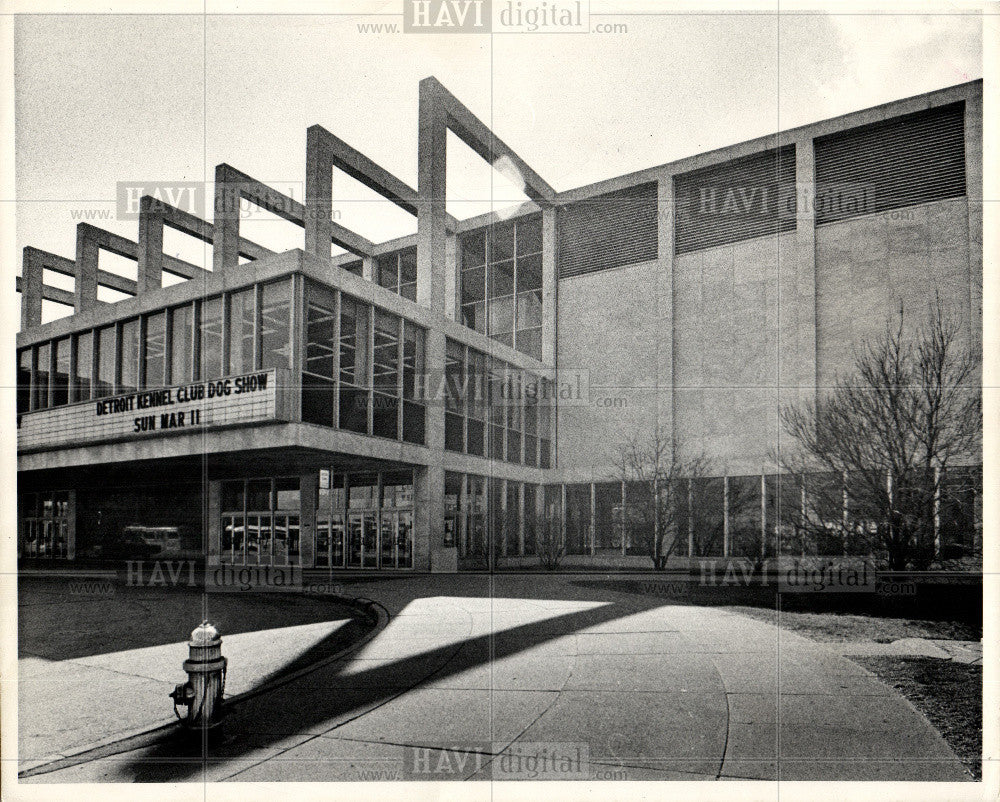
(232,401)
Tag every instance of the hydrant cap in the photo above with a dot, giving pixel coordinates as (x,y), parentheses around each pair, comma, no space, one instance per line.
(204,633)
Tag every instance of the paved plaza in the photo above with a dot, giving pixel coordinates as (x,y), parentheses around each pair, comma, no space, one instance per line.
(467,673)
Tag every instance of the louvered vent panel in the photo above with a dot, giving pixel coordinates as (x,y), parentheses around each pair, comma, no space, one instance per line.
(891,164)
(753,196)
(610,230)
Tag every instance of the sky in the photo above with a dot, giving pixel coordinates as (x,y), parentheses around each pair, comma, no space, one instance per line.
(101,99)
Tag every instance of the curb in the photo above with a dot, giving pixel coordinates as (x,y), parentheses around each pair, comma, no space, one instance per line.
(131,740)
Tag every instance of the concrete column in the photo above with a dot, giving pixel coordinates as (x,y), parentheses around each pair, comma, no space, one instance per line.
(763,515)
(664,307)
(522,514)
(31,290)
(87,256)
(71,526)
(806,366)
(319,197)
(429,481)
(452,286)
(726,547)
(550,287)
(690,501)
(226,239)
(308,497)
(213,526)
(562,515)
(592,528)
(150,271)
(624,522)
(431,187)
(974,190)
(368,269)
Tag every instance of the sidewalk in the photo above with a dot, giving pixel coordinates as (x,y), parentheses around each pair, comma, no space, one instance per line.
(96,661)
(474,671)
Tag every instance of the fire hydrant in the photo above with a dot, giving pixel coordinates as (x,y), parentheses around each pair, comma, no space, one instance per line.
(206,670)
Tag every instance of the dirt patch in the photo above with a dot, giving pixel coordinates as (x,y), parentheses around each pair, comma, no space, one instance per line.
(948,694)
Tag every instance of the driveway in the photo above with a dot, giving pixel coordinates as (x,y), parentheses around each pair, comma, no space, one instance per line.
(545,677)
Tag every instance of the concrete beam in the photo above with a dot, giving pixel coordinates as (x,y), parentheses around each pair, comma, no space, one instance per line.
(471,130)
(231,185)
(30,285)
(154,215)
(90,240)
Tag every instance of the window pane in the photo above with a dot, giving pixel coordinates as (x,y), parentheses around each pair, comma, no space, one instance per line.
(180,345)
(478,385)
(529,273)
(502,316)
(408,266)
(530,414)
(473,249)
(23,380)
(474,316)
(241,331)
(386,375)
(354,361)
(319,341)
(60,378)
(473,285)
(317,400)
(259,495)
(529,310)
(355,365)
(105,384)
(386,353)
(129,357)
(530,342)
(155,349)
(529,235)
(288,493)
(501,279)
(232,497)
(387,268)
(454,368)
(413,422)
(84,366)
(413,362)
(453,432)
(276,325)
(210,362)
(42,355)
(502,242)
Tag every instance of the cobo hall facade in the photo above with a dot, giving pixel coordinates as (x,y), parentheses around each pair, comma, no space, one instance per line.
(428,403)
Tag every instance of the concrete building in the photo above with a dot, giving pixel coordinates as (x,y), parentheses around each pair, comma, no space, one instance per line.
(407,404)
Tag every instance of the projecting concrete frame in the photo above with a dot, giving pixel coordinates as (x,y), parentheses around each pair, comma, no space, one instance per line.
(90,241)
(232,186)
(154,214)
(31,284)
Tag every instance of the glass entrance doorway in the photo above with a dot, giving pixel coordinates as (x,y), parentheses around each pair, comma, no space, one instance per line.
(365,520)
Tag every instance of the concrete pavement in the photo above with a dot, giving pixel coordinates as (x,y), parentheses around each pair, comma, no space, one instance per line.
(96,659)
(479,677)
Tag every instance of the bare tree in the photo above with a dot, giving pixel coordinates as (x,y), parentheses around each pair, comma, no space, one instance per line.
(657,492)
(887,435)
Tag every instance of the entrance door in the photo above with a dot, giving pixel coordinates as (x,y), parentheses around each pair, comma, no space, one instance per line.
(387,539)
(362,540)
(355,539)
